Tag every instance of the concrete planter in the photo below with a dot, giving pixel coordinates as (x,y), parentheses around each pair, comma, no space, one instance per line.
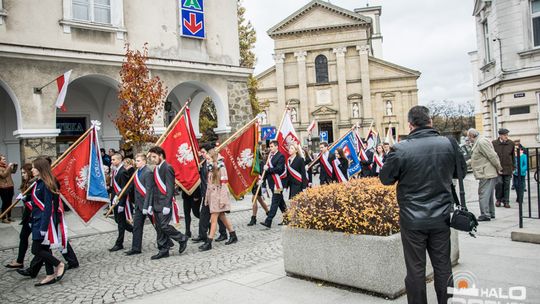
(371,263)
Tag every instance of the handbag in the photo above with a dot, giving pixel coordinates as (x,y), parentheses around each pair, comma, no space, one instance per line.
(462,219)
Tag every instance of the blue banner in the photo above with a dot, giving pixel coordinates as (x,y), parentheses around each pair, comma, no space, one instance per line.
(348,144)
(97,186)
(268,133)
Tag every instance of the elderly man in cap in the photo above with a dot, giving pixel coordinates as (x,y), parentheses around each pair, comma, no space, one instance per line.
(486,168)
(505,150)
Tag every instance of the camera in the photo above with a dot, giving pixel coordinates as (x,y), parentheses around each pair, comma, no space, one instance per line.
(14,167)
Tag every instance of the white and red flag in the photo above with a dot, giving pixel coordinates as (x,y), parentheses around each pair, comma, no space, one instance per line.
(62,83)
(287,135)
(311,126)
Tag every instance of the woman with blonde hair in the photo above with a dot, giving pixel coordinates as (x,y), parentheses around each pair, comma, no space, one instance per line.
(217,198)
(296,171)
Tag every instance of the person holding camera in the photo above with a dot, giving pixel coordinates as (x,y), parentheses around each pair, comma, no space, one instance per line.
(6,186)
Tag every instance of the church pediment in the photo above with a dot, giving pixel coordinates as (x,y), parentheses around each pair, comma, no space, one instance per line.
(318,15)
(379,68)
(324,110)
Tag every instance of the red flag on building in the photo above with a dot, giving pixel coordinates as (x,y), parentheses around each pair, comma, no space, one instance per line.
(62,84)
(181,154)
(73,174)
(240,158)
(287,135)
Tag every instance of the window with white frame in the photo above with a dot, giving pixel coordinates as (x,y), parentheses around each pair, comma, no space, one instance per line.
(535,15)
(487,48)
(97,11)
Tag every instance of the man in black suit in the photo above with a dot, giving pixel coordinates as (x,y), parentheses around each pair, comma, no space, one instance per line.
(141,183)
(204,221)
(162,200)
(325,160)
(119,179)
(275,171)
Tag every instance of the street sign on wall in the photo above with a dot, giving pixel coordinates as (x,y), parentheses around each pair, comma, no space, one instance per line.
(192,18)
(323,135)
(268,133)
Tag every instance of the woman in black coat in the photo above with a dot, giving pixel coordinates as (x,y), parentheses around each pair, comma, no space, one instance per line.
(308,158)
(296,171)
(341,166)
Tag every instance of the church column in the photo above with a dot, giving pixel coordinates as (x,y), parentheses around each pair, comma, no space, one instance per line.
(280,83)
(363,51)
(342,84)
(302,84)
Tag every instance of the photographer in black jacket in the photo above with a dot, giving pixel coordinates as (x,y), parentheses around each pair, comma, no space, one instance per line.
(423,165)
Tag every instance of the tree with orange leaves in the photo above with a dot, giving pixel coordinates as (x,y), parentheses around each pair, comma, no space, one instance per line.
(141,97)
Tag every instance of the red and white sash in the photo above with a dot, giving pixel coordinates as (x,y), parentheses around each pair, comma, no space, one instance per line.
(295,174)
(159,182)
(175,210)
(127,210)
(62,226)
(341,178)
(51,237)
(277,177)
(139,185)
(116,186)
(378,161)
(326,165)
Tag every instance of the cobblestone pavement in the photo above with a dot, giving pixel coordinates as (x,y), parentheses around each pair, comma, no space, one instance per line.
(105,277)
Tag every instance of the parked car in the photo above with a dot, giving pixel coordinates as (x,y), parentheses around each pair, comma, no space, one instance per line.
(466,150)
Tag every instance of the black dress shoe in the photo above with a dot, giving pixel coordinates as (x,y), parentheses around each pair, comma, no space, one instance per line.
(198,239)
(483,218)
(133,252)
(188,234)
(46,283)
(72,266)
(265,225)
(25,272)
(206,246)
(116,248)
(160,255)
(182,246)
(222,237)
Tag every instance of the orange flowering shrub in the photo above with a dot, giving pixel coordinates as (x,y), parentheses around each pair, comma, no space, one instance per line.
(361,206)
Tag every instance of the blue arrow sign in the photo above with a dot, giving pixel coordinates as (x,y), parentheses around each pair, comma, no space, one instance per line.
(192,18)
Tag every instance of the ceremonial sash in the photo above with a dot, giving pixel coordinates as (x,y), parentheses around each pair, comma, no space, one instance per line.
(28,205)
(175,210)
(341,178)
(127,210)
(51,237)
(378,161)
(63,227)
(326,165)
(295,174)
(276,177)
(116,186)
(139,185)
(159,183)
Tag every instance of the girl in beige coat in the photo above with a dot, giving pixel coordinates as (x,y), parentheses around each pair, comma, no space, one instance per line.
(217,198)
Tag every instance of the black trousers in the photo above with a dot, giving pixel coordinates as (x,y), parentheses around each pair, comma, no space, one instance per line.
(43,252)
(26,231)
(204,223)
(191,204)
(519,185)
(277,202)
(502,188)
(6,194)
(123,225)
(37,262)
(165,231)
(138,227)
(437,244)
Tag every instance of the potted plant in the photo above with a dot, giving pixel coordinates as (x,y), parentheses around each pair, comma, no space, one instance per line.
(348,234)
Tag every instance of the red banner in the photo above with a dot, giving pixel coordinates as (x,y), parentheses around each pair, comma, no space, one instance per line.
(240,157)
(72,173)
(181,154)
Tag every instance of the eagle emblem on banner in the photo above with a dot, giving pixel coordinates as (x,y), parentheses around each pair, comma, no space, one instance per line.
(245,160)
(184,154)
(82,178)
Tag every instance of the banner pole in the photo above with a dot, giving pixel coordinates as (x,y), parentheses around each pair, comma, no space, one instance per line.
(331,146)
(235,135)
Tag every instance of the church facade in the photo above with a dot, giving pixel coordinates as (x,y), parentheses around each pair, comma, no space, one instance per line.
(329,68)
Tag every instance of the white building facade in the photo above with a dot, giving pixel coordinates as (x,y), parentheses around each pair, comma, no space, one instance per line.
(40,40)
(329,67)
(506,68)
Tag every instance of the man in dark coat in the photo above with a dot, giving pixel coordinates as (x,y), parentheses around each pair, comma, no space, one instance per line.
(119,179)
(505,150)
(423,166)
(275,172)
(326,172)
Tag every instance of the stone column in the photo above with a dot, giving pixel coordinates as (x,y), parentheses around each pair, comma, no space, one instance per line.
(363,51)
(342,84)
(280,83)
(302,84)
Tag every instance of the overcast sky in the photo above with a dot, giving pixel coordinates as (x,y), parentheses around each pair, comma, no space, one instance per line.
(431,36)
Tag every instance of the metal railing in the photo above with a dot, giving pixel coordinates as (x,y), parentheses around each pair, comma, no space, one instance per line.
(533,165)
